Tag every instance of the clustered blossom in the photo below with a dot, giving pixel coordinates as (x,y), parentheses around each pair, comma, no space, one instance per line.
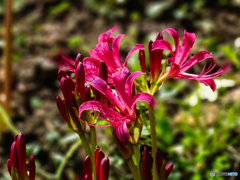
(102,69)
(17,162)
(106,50)
(104,88)
(122,108)
(180,63)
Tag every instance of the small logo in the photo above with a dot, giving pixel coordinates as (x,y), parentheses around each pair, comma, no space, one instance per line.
(212,173)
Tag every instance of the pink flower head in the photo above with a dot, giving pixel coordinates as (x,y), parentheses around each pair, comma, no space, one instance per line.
(180,63)
(147,163)
(122,108)
(101,166)
(107,50)
(17,162)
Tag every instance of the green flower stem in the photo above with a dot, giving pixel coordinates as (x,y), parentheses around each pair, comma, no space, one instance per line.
(154,141)
(94,144)
(133,169)
(68,154)
(138,158)
(93,138)
(86,145)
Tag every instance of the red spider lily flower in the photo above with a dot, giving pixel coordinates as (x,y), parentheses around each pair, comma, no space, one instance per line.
(163,170)
(107,50)
(180,63)
(101,166)
(17,162)
(122,108)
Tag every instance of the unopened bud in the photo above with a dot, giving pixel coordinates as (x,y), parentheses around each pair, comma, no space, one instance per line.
(31,168)
(78,59)
(87,167)
(61,107)
(159,36)
(147,163)
(80,80)
(61,73)
(104,169)
(103,71)
(67,88)
(141,56)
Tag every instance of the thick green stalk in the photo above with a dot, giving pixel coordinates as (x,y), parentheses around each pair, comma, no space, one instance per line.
(94,144)
(86,146)
(138,158)
(153,141)
(93,138)
(88,152)
(133,169)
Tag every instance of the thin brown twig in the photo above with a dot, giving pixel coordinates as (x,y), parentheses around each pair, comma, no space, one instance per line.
(7,54)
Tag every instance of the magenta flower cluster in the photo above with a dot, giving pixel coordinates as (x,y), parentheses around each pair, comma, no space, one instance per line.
(119,108)
(105,89)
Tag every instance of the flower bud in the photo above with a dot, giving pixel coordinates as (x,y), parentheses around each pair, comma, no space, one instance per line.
(80,80)
(78,59)
(103,71)
(67,88)
(88,94)
(61,107)
(147,163)
(21,153)
(31,168)
(104,169)
(141,56)
(98,156)
(9,165)
(168,169)
(61,74)
(163,171)
(87,168)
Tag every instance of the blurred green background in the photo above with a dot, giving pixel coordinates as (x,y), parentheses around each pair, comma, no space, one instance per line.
(197,129)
